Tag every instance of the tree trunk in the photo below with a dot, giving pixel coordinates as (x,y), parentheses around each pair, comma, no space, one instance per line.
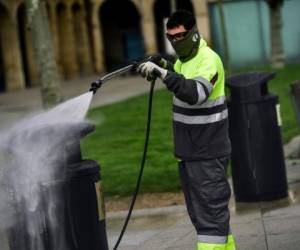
(277,53)
(48,77)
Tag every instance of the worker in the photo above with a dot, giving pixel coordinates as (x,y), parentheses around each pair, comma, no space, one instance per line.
(200,126)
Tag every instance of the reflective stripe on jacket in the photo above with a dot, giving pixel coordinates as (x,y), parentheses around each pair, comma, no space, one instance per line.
(200,118)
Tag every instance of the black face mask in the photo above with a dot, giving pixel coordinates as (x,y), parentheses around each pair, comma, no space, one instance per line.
(187,47)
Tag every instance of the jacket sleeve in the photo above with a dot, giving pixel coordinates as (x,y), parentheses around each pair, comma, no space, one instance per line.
(197,89)
(193,91)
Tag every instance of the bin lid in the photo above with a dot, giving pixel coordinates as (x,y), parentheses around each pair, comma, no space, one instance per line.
(40,134)
(249,79)
(83,168)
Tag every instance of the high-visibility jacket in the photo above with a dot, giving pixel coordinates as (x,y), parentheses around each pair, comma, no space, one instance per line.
(200,115)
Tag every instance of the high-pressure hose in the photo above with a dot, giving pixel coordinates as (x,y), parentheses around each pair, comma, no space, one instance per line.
(94,87)
(134,196)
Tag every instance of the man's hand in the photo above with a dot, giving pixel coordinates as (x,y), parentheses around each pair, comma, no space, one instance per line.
(161,62)
(150,70)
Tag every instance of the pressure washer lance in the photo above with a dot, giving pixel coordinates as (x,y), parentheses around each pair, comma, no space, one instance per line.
(129,68)
(94,87)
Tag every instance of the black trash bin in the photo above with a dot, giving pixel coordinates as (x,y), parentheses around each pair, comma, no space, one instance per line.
(71,204)
(258,168)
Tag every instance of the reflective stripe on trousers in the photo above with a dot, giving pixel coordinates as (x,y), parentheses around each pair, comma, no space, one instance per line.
(216,243)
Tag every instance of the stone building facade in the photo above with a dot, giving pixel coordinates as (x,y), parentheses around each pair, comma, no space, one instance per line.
(89,36)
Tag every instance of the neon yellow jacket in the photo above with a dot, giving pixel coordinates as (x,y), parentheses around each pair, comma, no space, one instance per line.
(199,109)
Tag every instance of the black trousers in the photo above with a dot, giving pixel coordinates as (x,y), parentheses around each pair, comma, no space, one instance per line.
(207,193)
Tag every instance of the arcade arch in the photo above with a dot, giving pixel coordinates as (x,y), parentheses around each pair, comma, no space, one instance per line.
(121,31)
(82,43)
(67,59)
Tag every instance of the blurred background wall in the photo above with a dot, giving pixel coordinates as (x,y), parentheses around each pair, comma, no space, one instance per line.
(94,36)
(247,25)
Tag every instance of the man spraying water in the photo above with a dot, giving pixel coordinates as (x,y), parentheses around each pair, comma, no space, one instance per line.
(200,122)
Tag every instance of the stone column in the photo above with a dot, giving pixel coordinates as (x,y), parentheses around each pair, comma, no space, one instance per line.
(54,32)
(67,48)
(202,17)
(98,48)
(14,75)
(82,40)
(148,26)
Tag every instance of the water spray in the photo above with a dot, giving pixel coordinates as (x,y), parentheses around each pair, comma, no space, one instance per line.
(94,87)
(47,191)
(51,198)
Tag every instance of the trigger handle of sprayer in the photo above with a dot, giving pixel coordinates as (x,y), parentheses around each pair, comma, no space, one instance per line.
(136,64)
(152,58)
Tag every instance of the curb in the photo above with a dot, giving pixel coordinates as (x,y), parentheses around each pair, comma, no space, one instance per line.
(147,212)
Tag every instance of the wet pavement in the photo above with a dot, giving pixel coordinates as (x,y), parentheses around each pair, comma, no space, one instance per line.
(264,225)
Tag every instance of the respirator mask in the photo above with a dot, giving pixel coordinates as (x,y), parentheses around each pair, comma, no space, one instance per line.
(186,47)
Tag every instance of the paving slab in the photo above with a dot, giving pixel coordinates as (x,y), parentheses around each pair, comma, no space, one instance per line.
(284,241)
(174,230)
(159,230)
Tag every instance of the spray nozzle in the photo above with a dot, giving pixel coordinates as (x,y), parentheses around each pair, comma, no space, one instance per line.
(95,86)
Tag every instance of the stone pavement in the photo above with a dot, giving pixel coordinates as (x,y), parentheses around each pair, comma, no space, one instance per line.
(273,225)
(265,225)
